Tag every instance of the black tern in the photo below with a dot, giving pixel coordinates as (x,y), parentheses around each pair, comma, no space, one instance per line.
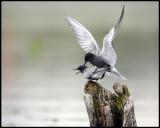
(88,73)
(105,58)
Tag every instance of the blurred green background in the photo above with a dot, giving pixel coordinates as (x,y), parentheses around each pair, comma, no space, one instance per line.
(39,52)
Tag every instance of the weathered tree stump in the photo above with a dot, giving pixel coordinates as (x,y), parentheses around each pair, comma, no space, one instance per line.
(109,109)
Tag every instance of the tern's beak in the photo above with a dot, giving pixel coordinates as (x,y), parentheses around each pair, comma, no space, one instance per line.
(76,72)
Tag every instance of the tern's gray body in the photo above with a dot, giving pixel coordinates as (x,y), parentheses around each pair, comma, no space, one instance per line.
(105,58)
(97,61)
(88,73)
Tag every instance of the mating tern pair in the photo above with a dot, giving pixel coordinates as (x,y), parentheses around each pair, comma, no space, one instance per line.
(103,60)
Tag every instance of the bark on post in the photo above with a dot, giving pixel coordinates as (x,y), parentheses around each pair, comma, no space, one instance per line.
(109,109)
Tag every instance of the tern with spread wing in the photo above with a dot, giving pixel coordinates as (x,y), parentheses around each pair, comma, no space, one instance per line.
(105,58)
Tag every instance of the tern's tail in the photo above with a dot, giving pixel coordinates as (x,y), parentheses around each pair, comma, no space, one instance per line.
(115,74)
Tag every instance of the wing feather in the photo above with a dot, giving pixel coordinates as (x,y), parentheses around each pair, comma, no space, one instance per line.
(108,52)
(84,37)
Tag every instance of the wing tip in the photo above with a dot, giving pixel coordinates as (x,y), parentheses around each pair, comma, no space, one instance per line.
(69,20)
(123,10)
(123,7)
(124,79)
(121,77)
(67,17)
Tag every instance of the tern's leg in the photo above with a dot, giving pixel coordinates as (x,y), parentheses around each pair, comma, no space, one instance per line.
(103,75)
(91,78)
(96,79)
(107,68)
(95,71)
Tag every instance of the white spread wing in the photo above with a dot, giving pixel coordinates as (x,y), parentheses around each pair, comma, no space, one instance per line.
(84,37)
(108,52)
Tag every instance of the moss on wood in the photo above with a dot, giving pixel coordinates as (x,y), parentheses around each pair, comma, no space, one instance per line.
(107,107)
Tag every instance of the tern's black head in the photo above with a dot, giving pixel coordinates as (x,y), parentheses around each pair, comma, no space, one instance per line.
(81,68)
(89,56)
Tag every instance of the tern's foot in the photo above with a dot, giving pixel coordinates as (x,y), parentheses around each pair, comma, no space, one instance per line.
(91,78)
(95,71)
(103,75)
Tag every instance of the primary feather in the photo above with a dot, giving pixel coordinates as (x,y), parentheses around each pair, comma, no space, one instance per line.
(108,52)
(84,37)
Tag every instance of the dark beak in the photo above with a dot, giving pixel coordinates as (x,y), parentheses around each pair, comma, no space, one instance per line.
(85,63)
(76,72)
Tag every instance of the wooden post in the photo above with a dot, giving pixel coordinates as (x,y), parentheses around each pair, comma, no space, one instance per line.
(109,109)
